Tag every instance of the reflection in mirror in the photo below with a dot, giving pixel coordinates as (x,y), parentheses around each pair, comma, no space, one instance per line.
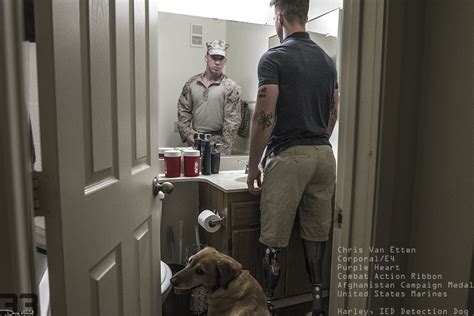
(180,59)
(181,54)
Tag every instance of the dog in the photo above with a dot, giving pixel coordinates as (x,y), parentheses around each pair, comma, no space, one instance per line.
(233,291)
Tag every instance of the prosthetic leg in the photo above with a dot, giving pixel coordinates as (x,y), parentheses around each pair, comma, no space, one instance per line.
(314,255)
(271,273)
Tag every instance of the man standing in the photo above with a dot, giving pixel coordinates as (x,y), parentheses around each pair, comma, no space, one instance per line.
(294,117)
(210,102)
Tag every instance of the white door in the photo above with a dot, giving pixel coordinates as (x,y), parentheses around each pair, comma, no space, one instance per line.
(97,70)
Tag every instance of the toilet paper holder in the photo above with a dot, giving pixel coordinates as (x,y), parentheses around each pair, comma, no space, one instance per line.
(210,220)
(219,221)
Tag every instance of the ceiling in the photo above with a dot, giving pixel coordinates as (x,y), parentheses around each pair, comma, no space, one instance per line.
(252,11)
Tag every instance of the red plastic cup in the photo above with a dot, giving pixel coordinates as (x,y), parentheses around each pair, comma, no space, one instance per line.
(172,163)
(161,151)
(192,165)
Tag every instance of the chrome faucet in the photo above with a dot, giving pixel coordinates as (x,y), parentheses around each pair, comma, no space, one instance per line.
(245,163)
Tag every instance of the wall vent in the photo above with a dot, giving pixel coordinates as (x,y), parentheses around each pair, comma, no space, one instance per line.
(196,35)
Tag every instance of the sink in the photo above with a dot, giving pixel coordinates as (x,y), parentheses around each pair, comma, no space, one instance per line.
(241,178)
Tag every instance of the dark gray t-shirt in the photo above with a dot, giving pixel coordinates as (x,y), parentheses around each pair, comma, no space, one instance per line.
(306,77)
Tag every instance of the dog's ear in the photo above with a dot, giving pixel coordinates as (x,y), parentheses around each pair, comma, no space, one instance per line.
(227,270)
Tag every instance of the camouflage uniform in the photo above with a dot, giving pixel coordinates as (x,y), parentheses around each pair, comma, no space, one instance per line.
(214,110)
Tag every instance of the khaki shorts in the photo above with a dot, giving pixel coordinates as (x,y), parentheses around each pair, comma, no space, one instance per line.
(299,180)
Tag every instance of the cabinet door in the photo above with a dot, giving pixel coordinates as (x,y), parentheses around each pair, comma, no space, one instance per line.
(245,214)
(249,252)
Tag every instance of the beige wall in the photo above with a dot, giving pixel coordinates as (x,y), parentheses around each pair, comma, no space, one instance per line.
(425,166)
(249,42)
(325,24)
(443,219)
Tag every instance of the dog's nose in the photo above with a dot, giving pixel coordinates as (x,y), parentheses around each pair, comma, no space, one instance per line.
(173,281)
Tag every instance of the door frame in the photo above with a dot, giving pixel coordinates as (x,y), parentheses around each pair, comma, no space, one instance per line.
(17,274)
(361,86)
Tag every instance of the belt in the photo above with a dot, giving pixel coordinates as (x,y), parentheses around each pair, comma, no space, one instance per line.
(219,132)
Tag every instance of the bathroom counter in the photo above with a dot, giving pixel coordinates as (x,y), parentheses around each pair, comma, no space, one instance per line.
(226,181)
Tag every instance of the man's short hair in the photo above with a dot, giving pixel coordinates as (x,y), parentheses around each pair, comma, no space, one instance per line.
(292,10)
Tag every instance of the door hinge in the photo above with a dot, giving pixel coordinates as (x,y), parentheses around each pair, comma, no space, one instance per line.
(38,211)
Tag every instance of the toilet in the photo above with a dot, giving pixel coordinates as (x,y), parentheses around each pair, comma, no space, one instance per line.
(165,281)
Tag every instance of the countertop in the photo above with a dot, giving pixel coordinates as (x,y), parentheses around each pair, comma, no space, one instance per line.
(227,181)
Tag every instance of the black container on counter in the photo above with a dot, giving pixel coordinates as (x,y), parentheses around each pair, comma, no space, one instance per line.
(215,158)
(206,155)
(198,141)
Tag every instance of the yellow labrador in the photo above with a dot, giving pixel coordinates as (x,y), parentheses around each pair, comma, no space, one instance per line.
(234,291)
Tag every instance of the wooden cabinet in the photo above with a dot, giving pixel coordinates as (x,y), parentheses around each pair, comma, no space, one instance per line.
(239,239)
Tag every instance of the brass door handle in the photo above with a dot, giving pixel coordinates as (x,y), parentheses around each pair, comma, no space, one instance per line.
(165,187)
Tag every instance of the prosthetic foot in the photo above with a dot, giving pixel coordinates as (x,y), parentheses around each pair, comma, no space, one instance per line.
(314,255)
(271,270)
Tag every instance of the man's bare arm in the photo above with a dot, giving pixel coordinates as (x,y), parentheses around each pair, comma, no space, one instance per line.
(263,120)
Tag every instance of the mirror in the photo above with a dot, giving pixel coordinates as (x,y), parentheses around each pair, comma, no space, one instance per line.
(181,53)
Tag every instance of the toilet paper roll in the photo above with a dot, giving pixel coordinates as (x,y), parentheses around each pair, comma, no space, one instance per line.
(205,218)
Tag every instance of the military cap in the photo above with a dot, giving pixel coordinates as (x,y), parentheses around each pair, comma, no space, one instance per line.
(217,47)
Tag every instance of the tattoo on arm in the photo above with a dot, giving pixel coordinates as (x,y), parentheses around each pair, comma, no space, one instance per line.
(265,120)
(262,93)
(332,116)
